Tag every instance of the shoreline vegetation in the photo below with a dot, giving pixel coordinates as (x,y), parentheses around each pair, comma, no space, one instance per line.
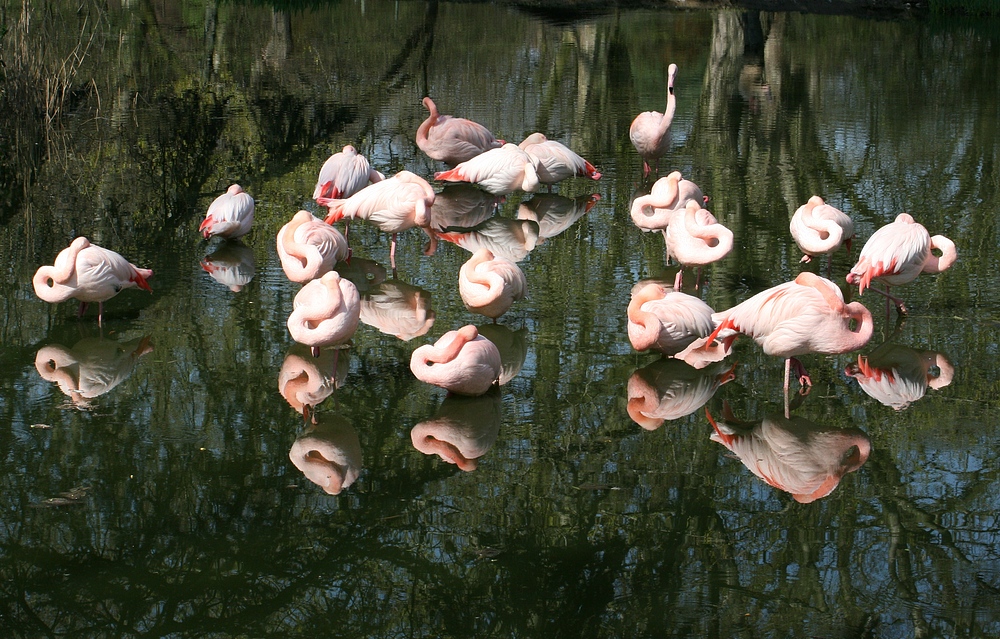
(861,8)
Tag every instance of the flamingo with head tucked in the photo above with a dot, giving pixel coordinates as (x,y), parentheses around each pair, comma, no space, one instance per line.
(650,131)
(344,174)
(325,312)
(88,273)
(452,140)
(807,315)
(498,171)
(666,321)
(819,228)
(462,362)
(490,285)
(695,238)
(668,196)
(230,215)
(554,161)
(309,248)
(897,253)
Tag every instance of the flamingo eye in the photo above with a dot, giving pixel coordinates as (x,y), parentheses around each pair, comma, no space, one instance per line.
(50,282)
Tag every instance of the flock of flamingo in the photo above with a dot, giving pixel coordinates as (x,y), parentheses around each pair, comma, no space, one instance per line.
(803,316)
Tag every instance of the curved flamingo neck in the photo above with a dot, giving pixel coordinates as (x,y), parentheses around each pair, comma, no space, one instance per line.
(648,293)
(671,108)
(431,120)
(447,451)
(472,272)
(446,354)
(937,264)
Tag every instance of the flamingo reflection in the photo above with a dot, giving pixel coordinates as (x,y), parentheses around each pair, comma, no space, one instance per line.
(462,430)
(397,308)
(555,213)
(898,375)
(92,367)
(512,345)
(793,454)
(306,381)
(461,206)
(328,453)
(510,239)
(670,389)
(231,264)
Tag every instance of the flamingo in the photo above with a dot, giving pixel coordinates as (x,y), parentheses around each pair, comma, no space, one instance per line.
(819,229)
(807,315)
(230,215)
(670,389)
(88,273)
(399,309)
(462,430)
(695,237)
(325,312)
(666,321)
(554,161)
(498,171)
(650,131)
(452,140)
(793,454)
(393,205)
(668,196)
(489,285)
(308,248)
(462,362)
(328,454)
(897,253)
(344,174)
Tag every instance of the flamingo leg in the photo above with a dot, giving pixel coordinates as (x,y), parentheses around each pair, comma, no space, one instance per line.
(900,306)
(800,371)
(315,351)
(100,314)
(392,254)
(679,279)
(82,309)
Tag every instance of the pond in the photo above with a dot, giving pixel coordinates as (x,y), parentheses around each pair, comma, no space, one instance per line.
(160,469)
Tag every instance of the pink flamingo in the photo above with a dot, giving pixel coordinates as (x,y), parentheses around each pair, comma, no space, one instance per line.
(453,140)
(328,454)
(695,238)
(499,171)
(793,454)
(819,229)
(650,131)
(807,315)
(308,248)
(325,312)
(462,362)
(88,273)
(897,253)
(399,309)
(393,205)
(490,285)
(668,196)
(462,431)
(344,174)
(554,161)
(230,215)
(666,321)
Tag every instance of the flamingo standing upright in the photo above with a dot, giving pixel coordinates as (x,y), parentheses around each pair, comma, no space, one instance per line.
(666,321)
(668,196)
(88,273)
(325,312)
(807,315)
(819,229)
(452,140)
(489,285)
(393,205)
(554,161)
(462,362)
(309,248)
(897,253)
(695,238)
(650,131)
(498,171)
(230,215)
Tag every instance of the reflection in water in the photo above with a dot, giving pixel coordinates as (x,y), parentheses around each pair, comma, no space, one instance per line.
(92,367)
(365,274)
(512,239)
(397,308)
(793,454)
(555,213)
(305,381)
(669,389)
(328,453)
(231,264)
(513,347)
(461,206)
(898,375)
(463,429)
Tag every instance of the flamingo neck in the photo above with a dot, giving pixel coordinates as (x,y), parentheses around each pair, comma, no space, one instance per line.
(935,263)
(446,354)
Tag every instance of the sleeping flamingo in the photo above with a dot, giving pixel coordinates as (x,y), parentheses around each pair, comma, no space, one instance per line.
(695,238)
(807,315)
(650,131)
(462,362)
(309,248)
(897,253)
(666,321)
(499,171)
(452,140)
(554,161)
(819,229)
(88,273)
(393,205)
(325,312)
(230,215)
(793,454)
(668,196)
(490,285)
(344,174)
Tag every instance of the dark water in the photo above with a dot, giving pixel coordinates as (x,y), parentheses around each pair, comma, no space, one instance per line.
(149,486)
